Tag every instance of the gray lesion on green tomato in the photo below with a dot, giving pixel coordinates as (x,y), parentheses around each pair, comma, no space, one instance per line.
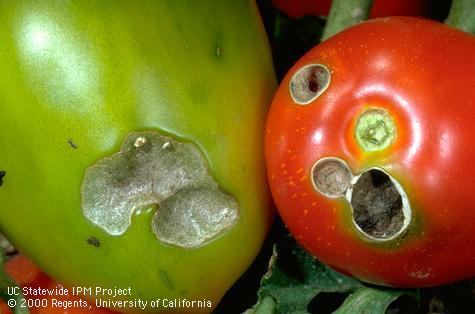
(152,169)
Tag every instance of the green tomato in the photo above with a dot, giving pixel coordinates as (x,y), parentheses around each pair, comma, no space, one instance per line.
(131,143)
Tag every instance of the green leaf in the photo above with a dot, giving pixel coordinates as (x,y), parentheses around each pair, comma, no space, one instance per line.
(295,278)
(370,300)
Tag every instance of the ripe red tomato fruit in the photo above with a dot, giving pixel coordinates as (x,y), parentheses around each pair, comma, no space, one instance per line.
(370,152)
(380,8)
(28,275)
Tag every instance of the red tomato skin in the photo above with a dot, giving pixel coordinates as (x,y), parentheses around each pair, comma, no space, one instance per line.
(27,275)
(24,271)
(298,8)
(380,8)
(383,8)
(422,73)
(4,309)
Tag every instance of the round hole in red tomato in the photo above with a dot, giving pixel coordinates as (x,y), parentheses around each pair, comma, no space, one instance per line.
(331,177)
(380,206)
(308,83)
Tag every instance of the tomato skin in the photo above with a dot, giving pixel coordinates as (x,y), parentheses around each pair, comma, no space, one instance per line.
(81,75)
(4,309)
(383,8)
(380,8)
(421,73)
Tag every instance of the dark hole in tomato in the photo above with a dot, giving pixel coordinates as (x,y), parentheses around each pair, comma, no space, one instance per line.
(313,83)
(377,205)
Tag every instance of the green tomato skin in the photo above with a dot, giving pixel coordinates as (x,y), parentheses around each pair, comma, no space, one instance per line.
(77,77)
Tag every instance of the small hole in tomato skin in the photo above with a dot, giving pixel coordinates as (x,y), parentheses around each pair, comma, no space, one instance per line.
(308,83)
(331,177)
(378,208)
(313,84)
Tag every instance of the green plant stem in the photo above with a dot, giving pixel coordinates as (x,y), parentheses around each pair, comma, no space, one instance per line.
(266,306)
(345,13)
(462,15)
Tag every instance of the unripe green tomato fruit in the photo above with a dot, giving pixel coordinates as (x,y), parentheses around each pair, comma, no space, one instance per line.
(131,143)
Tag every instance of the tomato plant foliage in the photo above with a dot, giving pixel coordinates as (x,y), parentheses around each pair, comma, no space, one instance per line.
(295,281)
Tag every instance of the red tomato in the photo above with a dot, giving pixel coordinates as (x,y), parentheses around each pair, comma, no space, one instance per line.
(4,309)
(27,274)
(24,272)
(370,152)
(380,8)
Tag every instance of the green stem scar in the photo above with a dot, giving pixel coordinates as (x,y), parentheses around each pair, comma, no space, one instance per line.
(375,130)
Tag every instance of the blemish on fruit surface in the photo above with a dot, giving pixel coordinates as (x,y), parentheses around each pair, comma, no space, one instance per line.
(166,280)
(3,173)
(141,141)
(218,48)
(93,241)
(191,208)
(420,274)
(72,143)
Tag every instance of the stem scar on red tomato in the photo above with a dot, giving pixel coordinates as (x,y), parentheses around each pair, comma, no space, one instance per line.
(369,152)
